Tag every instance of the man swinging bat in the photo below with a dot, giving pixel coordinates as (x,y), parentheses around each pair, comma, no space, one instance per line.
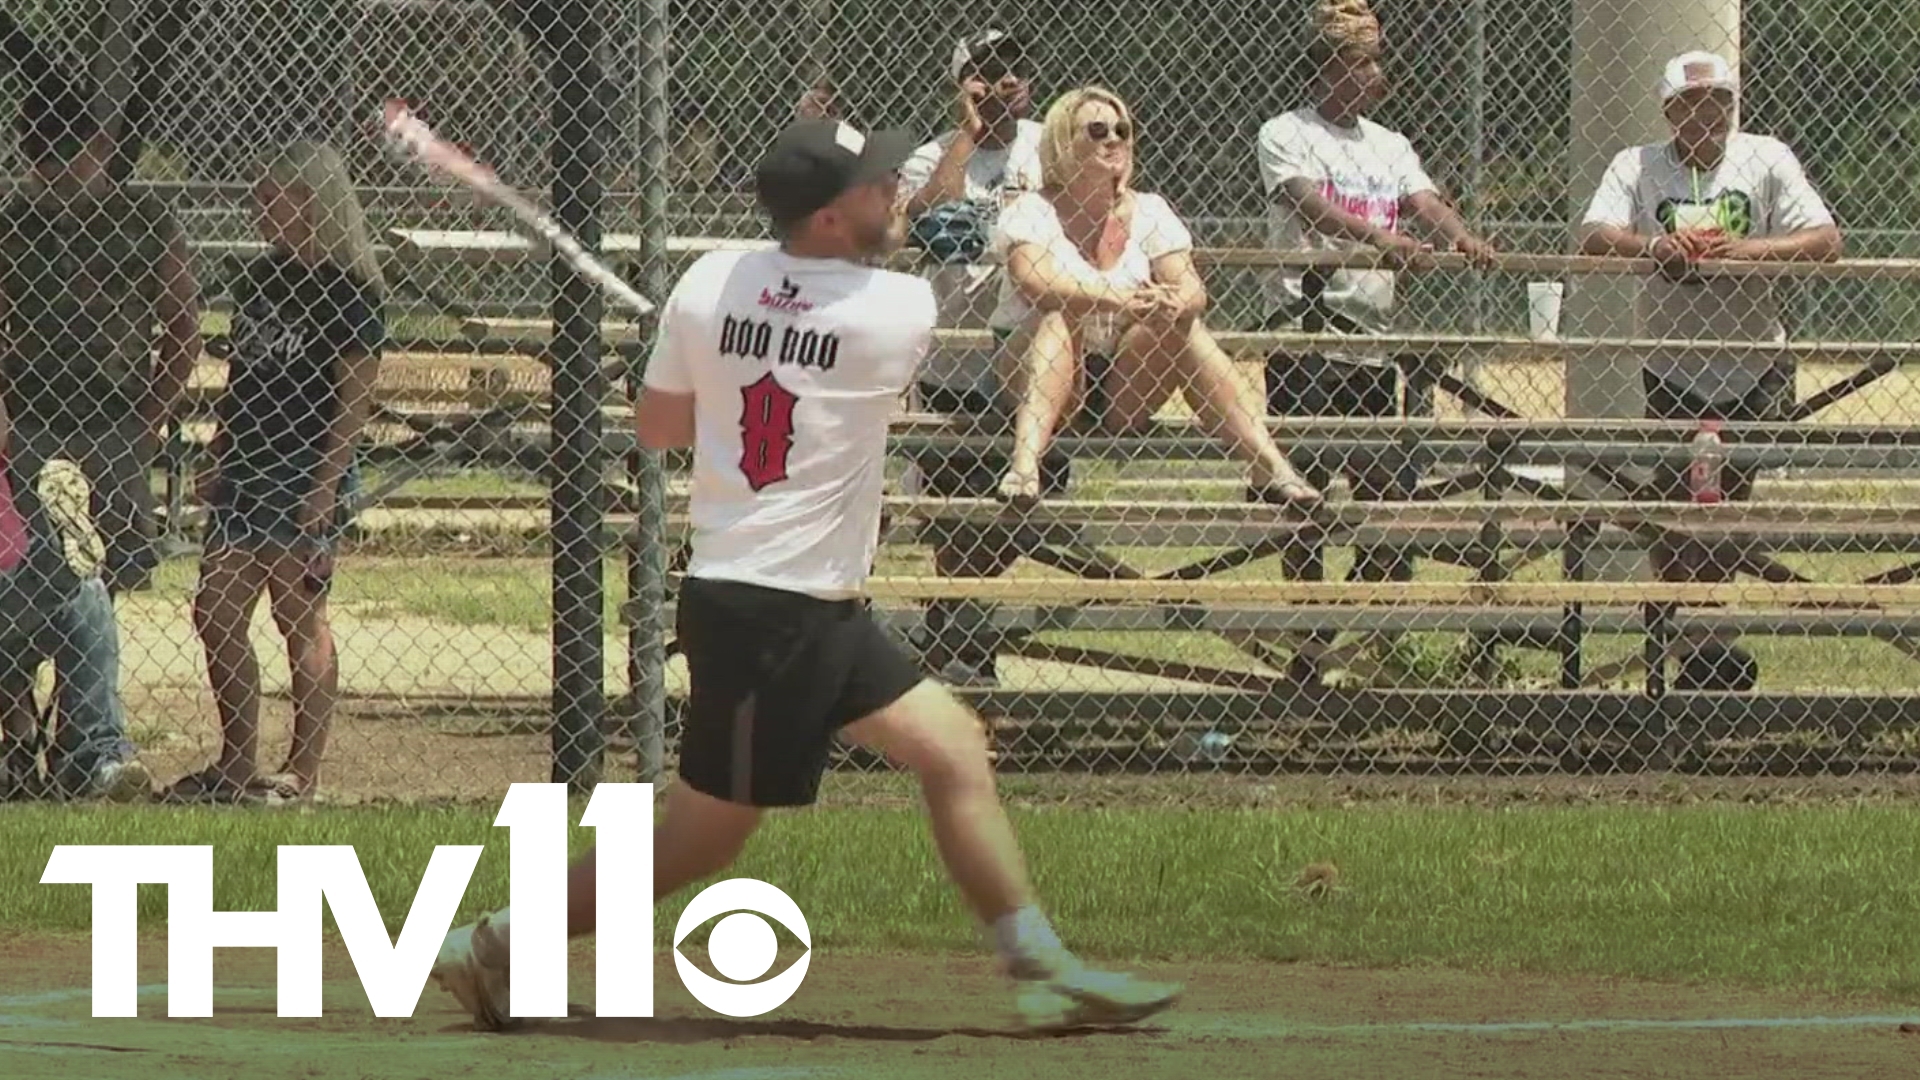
(782,370)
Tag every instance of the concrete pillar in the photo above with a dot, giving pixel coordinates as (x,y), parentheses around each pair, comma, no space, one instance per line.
(1619,50)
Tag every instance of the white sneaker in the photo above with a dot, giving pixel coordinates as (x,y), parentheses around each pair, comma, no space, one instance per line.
(472,966)
(123,781)
(1075,996)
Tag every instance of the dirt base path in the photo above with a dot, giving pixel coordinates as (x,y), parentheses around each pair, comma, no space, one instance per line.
(917,1018)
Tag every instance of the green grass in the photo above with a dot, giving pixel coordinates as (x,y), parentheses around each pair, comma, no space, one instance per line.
(472,484)
(512,593)
(1813,898)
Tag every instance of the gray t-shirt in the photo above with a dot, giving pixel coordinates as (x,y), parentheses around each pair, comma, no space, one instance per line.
(1758,190)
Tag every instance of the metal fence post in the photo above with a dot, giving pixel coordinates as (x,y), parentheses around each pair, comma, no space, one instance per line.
(578,129)
(646,557)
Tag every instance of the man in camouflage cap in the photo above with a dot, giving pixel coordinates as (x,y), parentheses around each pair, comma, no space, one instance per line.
(88,271)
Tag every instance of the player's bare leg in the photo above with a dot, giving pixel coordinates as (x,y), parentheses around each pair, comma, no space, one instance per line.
(929,732)
(698,836)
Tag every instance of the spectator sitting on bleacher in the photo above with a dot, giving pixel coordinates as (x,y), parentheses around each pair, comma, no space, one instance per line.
(959,183)
(956,186)
(1100,305)
(1337,181)
(1709,192)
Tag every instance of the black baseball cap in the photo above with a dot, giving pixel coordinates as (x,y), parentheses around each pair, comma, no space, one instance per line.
(813,161)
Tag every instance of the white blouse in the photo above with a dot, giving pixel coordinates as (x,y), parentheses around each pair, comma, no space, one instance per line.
(1030,219)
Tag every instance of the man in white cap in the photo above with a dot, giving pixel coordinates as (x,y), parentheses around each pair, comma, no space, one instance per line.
(1711,191)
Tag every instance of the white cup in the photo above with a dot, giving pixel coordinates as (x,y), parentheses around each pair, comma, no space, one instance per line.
(1543,309)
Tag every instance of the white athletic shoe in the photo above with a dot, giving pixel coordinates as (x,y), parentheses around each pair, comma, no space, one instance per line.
(123,781)
(472,966)
(1074,996)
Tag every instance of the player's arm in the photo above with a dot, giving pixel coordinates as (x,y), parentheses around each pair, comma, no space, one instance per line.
(663,417)
(663,420)
(180,344)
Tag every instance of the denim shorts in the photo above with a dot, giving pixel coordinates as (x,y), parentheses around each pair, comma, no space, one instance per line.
(264,512)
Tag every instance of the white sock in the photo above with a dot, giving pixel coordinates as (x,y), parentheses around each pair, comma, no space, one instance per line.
(1025,934)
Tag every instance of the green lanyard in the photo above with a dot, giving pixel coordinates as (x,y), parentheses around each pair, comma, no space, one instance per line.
(1693,180)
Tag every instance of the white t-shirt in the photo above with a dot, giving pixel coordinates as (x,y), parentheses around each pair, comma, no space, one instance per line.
(796,367)
(1758,190)
(1030,219)
(1366,170)
(994,177)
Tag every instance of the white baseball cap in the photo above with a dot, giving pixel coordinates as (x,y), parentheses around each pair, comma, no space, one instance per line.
(1697,71)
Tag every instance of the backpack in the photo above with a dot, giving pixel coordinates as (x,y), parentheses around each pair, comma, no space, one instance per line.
(953,232)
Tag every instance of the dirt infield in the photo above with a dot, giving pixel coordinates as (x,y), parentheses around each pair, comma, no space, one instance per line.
(916,1017)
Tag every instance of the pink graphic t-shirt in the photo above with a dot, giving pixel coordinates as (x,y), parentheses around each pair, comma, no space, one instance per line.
(1364,169)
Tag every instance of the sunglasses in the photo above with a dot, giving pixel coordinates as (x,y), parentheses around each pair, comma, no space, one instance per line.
(1099,130)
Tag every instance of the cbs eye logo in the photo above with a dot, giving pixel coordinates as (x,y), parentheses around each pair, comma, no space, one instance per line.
(742,947)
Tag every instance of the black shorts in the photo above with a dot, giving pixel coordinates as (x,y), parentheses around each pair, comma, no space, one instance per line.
(1313,385)
(1665,401)
(774,677)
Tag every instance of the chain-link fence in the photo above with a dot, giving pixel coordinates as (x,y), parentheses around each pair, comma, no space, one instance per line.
(1614,473)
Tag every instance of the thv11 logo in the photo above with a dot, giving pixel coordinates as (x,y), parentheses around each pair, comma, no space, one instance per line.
(394,973)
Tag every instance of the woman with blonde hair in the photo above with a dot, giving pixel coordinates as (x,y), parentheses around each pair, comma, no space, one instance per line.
(1100,307)
(308,331)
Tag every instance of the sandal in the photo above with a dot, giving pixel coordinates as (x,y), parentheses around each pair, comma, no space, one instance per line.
(1295,494)
(1019,490)
(282,789)
(209,785)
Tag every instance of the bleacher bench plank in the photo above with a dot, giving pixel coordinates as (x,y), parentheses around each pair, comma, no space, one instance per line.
(1247,344)
(1418,429)
(1425,514)
(1039,590)
(1039,619)
(486,245)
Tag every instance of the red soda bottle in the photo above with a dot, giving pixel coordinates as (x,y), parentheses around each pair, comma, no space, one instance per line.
(1709,460)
